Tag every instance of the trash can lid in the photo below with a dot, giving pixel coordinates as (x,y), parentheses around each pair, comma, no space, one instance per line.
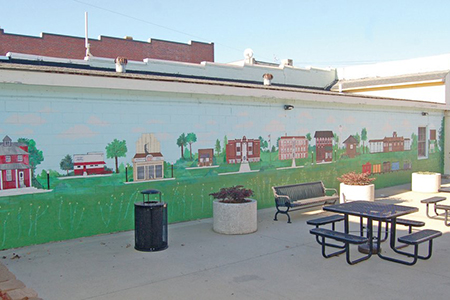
(151,192)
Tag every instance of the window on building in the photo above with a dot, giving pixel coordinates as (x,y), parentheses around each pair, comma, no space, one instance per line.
(433,134)
(158,171)
(19,157)
(8,158)
(140,173)
(151,172)
(8,175)
(422,142)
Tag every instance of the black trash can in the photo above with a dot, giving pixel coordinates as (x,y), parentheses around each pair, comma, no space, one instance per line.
(150,223)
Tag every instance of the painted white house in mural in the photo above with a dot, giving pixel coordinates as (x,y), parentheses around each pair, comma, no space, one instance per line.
(148,162)
(15,169)
(89,164)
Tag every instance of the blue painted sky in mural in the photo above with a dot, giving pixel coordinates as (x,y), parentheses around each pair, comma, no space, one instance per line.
(318,33)
(208,121)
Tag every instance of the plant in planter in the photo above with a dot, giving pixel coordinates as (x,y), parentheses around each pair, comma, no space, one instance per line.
(356,186)
(233,211)
(234,194)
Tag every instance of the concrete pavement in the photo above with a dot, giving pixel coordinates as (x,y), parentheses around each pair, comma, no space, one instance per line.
(279,261)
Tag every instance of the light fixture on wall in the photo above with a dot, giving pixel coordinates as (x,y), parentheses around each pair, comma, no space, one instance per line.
(424,113)
(288,107)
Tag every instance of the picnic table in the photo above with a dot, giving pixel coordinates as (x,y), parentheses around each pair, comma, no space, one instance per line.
(383,213)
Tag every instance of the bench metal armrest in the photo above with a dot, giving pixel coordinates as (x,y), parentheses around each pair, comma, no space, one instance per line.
(330,189)
(279,200)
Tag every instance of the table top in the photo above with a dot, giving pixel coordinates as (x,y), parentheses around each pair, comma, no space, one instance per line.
(376,210)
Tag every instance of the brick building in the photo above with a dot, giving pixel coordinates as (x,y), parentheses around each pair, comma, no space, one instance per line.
(324,146)
(243,150)
(63,46)
(390,144)
(15,169)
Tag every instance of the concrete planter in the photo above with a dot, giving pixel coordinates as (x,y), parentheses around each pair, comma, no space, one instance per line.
(235,218)
(356,192)
(425,182)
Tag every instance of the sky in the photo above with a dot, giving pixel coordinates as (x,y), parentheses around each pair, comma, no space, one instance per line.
(311,32)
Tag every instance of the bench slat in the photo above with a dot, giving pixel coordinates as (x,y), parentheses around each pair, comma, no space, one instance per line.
(325,220)
(442,206)
(413,223)
(419,237)
(323,200)
(433,200)
(339,236)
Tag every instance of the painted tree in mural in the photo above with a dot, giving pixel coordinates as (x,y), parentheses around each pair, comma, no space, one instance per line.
(309,138)
(182,142)
(441,140)
(264,145)
(225,142)
(218,148)
(364,138)
(357,138)
(35,155)
(66,163)
(336,141)
(116,149)
(190,139)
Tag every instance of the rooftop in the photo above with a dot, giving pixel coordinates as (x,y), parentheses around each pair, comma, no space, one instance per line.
(279,261)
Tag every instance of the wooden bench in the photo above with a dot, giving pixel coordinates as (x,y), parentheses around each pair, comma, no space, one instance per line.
(346,238)
(301,196)
(417,238)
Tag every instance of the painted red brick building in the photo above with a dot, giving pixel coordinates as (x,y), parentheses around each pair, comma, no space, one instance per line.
(243,150)
(324,146)
(63,46)
(15,169)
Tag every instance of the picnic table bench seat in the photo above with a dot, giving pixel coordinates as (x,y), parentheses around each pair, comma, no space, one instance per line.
(437,206)
(346,238)
(417,238)
(302,196)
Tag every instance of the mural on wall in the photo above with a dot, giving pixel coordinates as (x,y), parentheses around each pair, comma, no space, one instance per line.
(155,150)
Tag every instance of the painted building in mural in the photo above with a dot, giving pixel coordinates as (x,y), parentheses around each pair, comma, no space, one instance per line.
(390,144)
(15,169)
(89,164)
(324,146)
(148,162)
(243,150)
(205,157)
(148,166)
(350,147)
(292,147)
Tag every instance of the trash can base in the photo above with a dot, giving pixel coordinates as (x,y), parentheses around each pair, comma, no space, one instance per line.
(154,249)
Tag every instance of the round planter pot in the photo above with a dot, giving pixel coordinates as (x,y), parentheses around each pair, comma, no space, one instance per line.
(349,193)
(235,218)
(425,182)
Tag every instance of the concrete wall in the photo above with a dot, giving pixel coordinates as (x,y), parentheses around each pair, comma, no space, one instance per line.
(71,112)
